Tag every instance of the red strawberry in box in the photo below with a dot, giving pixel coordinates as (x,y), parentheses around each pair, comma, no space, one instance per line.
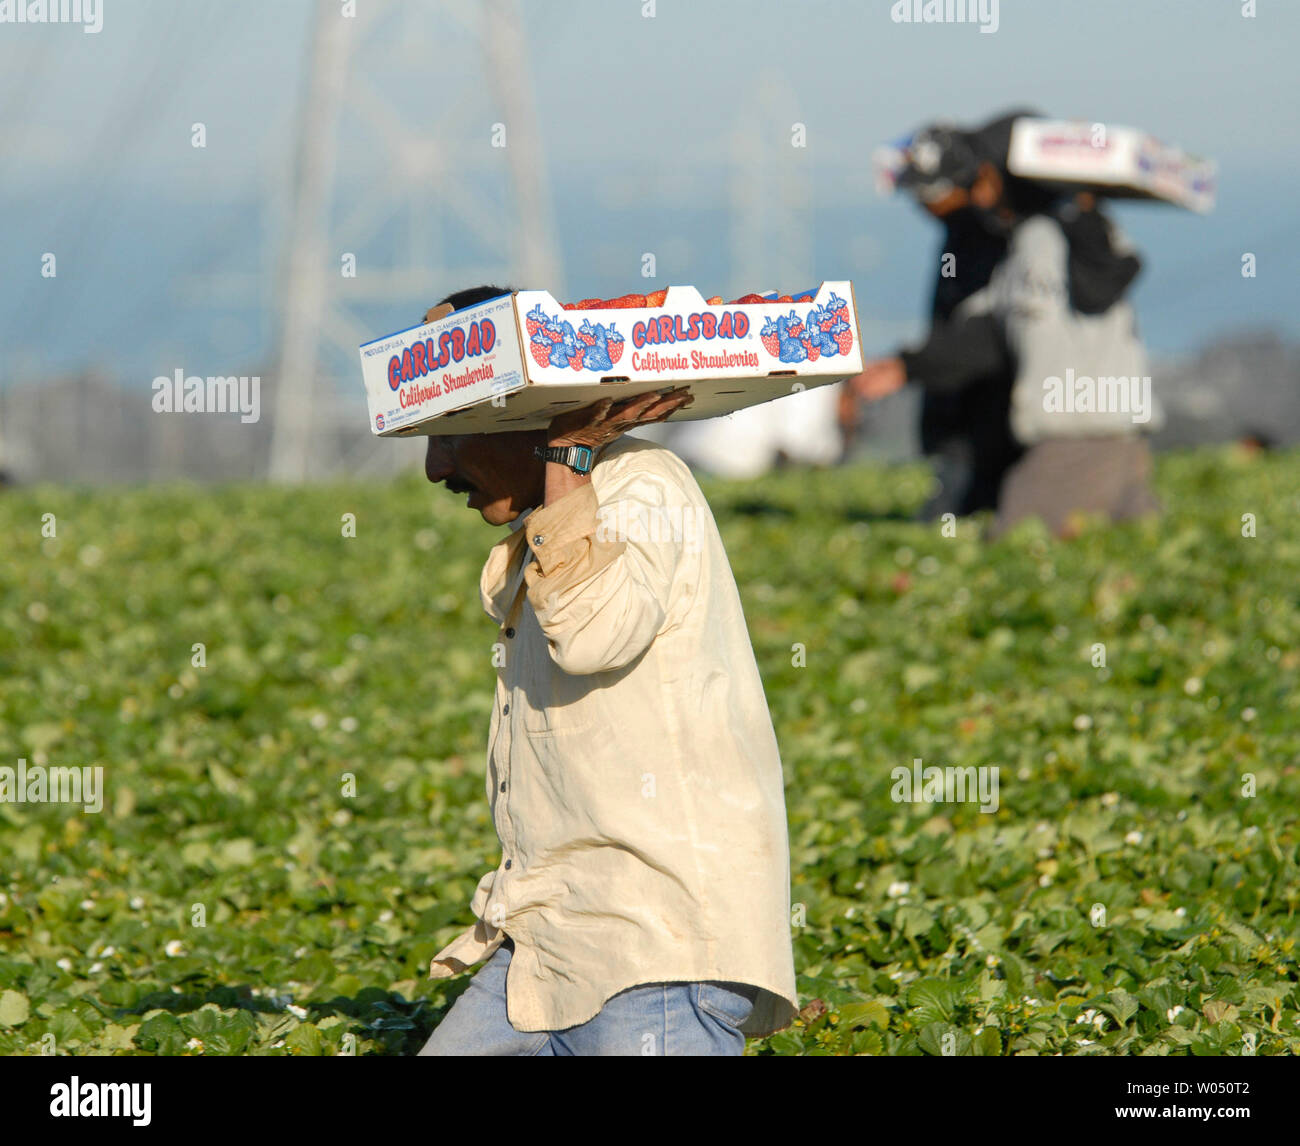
(614,344)
(842,332)
(540,347)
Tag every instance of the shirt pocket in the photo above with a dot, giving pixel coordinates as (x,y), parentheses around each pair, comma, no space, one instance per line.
(551,702)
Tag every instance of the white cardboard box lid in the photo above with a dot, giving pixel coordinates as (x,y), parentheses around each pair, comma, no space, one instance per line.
(509,403)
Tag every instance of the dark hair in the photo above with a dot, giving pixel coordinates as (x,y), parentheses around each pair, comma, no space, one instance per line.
(992,142)
(472,296)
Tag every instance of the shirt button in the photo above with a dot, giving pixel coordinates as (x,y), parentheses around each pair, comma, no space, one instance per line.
(508,862)
(505,711)
(503,785)
(538,539)
(510,632)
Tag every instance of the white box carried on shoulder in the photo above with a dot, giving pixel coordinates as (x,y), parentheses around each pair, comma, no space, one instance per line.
(1120,162)
(514,362)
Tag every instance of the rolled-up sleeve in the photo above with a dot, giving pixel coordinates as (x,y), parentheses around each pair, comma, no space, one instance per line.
(600,590)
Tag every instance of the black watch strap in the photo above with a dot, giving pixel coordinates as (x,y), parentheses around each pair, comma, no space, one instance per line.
(578,458)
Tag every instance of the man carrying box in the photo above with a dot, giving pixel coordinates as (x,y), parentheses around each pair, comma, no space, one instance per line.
(641,905)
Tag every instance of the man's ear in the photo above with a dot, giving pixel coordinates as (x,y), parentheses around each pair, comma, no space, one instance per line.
(436,312)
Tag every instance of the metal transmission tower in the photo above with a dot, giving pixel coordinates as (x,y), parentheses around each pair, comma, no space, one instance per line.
(771,240)
(305,290)
(432,178)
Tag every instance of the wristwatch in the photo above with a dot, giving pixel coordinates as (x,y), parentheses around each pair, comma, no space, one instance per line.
(577,458)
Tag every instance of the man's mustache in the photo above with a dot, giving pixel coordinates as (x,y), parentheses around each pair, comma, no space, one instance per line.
(457,484)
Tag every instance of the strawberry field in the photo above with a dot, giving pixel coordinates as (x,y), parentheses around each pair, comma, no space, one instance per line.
(290,721)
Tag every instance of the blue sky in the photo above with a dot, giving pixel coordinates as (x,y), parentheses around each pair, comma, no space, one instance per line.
(167,253)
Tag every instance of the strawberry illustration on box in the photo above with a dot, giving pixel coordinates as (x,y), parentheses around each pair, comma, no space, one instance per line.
(614,344)
(838,307)
(535,320)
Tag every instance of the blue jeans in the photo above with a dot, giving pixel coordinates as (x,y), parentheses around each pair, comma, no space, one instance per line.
(652,1019)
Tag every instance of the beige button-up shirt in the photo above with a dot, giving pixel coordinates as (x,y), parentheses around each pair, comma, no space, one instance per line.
(632,769)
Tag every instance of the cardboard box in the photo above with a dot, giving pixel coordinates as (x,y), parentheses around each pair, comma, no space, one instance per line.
(1120,162)
(514,362)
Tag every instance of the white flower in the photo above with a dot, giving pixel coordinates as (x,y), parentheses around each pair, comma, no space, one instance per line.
(1083,722)
(341,818)
(1192,685)
(991,960)
(848,913)
(1085,1042)
(174,948)
(385,916)
(1031,1002)
(1173,1013)
(897,888)
(87,905)
(1109,799)
(297,1012)
(1248,714)
(349,724)
(1134,838)
(108,951)
(1044,880)
(1087,1016)
(319,720)
(96,968)
(137,902)
(195,1045)
(859,885)
(65,963)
